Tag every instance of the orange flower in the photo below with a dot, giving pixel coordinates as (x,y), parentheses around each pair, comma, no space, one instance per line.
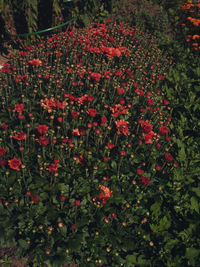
(195,37)
(35,62)
(107,192)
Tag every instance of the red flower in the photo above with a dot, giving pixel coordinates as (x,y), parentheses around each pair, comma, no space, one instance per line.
(53,167)
(35,62)
(75,132)
(14,164)
(139,171)
(92,112)
(122,127)
(110,145)
(90,98)
(2,162)
(4,126)
(2,151)
(166,102)
(96,76)
(60,119)
(123,153)
(114,216)
(145,180)
(42,129)
(103,119)
(73,226)
(118,73)
(158,167)
(163,130)
(44,141)
(20,116)
(62,198)
(74,115)
(168,157)
(77,202)
(120,91)
(106,159)
(19,108)
(148,138)
(20,136)
(146,126)
(35,199)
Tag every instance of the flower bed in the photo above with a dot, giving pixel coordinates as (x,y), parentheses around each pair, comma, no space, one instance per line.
(86,147)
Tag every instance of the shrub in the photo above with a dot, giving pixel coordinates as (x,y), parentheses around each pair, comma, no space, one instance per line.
(86,148)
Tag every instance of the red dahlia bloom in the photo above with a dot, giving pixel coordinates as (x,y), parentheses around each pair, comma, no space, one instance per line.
(120,91)
(42,129)
(20,136)
(14,164)
(122,127)
(2,162)
(75,115)
(35,199)
(4,126)
(96,76)
(92,112)
(163,130)
(43,141)
(19,108)
(2,151)
(158,167)
(145,180)
(168,157)
(110,145)
(62,198)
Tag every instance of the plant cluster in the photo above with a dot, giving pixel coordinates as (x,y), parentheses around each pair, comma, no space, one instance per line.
(86,148)
(145,16)
(192,9)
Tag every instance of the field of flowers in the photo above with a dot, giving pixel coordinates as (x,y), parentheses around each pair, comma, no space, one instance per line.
(89,153)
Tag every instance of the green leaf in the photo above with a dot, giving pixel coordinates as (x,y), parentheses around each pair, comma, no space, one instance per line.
(114,165)
(197,88)
(194,204)
(23,244)
(163,225)
(135,259)
(191,254)
(156,208)
(196,190)
(198,71)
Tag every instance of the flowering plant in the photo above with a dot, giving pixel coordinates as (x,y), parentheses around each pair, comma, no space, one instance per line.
(85,146)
